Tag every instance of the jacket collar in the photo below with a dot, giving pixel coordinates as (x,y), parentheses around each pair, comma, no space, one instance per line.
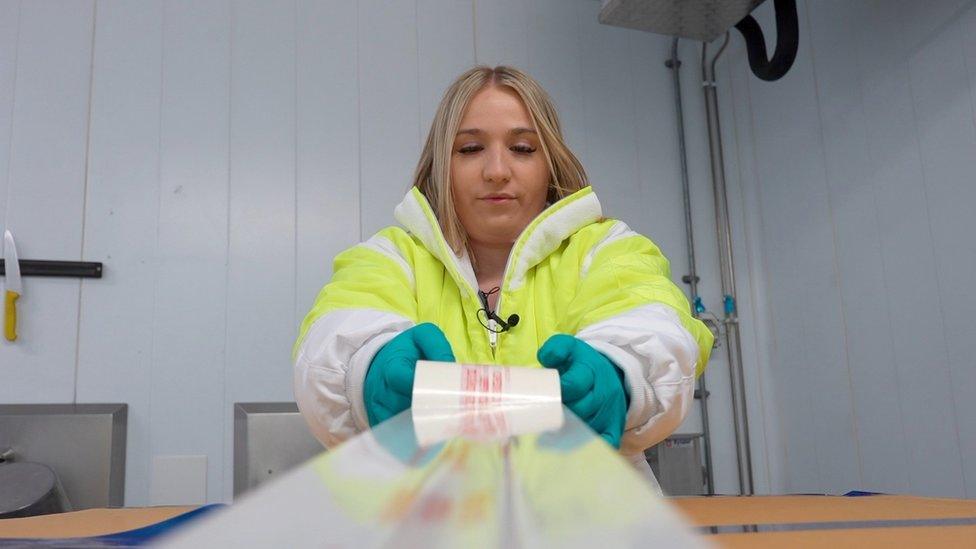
(539,239)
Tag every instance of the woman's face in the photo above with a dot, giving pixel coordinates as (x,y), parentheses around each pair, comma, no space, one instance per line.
(499,174)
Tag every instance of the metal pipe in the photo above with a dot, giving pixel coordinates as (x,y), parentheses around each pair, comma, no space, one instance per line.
(674,64)
(733,345)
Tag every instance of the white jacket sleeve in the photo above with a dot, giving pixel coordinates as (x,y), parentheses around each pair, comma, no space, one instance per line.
(331,365)
(658,357)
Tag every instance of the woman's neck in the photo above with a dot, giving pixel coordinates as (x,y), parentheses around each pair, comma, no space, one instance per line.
(489,261)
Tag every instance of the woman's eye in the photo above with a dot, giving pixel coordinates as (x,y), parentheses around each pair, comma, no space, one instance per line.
(521,149)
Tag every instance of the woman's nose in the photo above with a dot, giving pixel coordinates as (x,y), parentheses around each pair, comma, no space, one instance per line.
(496,169)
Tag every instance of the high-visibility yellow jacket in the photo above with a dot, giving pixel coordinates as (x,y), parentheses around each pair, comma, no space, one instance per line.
(570,271)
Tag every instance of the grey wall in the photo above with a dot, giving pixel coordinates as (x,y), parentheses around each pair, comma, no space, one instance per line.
(857,177)
(216,155)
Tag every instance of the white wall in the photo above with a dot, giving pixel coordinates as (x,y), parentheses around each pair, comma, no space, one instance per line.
(857,194)
(216,155)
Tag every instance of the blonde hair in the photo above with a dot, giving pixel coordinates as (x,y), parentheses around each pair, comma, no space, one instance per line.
(433,173)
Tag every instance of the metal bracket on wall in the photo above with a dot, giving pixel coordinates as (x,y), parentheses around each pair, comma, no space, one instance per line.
(39,267)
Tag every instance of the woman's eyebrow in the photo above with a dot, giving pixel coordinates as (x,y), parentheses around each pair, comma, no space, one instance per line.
(478,131)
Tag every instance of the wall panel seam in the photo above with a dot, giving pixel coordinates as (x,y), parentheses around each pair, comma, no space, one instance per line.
(936,278)
(156,263)
(416,44)
(359,115)
(295,164)
(884,267)
(228,235)
(833,233)
(13,103)
(474,46)
(84,196)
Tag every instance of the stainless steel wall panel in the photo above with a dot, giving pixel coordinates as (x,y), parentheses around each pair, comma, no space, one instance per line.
(269,439)
(83,443)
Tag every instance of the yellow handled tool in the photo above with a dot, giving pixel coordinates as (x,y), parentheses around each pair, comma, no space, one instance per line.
(10,316)
(12,286)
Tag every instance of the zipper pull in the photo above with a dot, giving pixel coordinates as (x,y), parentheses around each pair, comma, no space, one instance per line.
(492,334)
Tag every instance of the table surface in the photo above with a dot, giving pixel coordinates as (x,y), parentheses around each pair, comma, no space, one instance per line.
(779,521)
(834,521)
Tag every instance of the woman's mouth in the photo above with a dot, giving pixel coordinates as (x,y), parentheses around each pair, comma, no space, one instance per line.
(498,198)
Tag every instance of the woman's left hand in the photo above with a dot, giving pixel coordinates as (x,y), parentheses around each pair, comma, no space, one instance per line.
(592,386)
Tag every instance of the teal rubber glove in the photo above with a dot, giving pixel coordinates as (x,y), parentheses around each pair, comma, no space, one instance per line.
(592,386)
(388,389)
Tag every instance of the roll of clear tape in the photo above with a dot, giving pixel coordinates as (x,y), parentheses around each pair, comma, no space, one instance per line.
(480,402)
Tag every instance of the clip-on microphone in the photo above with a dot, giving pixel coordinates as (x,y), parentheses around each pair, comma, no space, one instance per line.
(505,325)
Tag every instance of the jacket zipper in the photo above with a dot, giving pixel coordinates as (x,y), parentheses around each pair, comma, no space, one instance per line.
(492,332)
(492,335)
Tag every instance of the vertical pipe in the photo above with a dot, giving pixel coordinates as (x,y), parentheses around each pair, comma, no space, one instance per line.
(674,64)
(733,346)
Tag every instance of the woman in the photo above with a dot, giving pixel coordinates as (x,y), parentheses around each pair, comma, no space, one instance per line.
(504,258)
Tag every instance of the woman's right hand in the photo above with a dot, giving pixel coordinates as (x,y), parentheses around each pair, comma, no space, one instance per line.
(388,389)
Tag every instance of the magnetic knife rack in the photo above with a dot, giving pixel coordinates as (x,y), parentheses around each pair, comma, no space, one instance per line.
(40,267)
